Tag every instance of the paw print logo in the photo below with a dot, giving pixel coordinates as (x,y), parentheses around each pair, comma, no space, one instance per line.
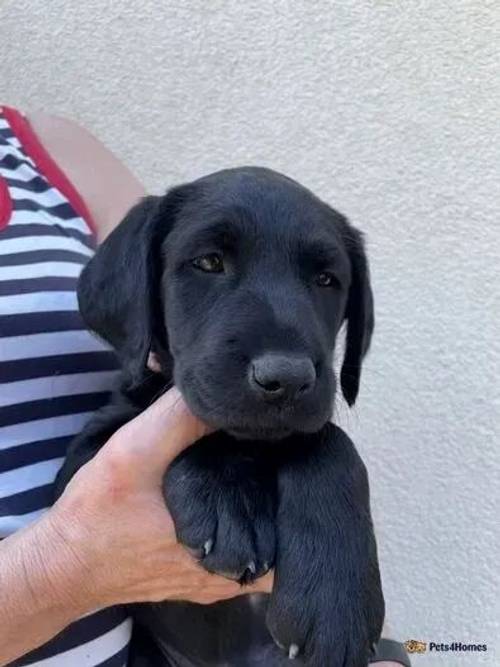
(415,646)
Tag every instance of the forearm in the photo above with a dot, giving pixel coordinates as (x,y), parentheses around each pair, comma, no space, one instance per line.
(42,589)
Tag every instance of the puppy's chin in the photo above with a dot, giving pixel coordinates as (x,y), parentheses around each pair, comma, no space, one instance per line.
(273,431)
(260,426)
(242,433)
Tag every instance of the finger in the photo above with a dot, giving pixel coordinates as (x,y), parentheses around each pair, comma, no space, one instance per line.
(155,437)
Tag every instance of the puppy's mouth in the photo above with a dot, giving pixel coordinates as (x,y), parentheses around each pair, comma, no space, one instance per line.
(270,423)
(238,425)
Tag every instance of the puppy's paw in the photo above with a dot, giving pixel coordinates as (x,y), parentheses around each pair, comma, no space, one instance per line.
(223,507)
(229,530)
(319,627)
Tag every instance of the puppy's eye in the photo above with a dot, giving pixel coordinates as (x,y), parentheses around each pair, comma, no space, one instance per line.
(211,263)
(326,279)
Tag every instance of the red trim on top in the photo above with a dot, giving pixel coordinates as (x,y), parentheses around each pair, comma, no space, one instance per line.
(5,204)
(52,172)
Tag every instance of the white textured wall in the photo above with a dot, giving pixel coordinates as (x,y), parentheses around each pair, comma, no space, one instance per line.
(390,111)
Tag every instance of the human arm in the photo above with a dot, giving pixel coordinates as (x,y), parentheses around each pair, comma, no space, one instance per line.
(108,540)
(107,186)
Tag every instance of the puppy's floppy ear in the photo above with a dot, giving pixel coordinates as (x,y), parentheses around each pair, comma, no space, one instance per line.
(119,289)
(359,315)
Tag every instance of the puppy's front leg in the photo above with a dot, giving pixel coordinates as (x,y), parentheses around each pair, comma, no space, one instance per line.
(327,606)
(222,498)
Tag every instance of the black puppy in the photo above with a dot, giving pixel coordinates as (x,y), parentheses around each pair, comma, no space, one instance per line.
(238,284)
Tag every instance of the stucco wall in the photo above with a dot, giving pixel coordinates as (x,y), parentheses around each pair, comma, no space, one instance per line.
(389,110)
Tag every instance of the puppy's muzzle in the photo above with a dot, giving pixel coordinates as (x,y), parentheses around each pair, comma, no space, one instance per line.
(280,378)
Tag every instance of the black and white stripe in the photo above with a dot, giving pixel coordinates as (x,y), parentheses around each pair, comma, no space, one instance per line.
(53,375)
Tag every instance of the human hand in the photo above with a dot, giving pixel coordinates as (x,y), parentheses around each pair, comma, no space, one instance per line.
(113,523)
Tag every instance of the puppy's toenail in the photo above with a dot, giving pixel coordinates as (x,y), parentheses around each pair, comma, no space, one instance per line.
(207,547)
(252,567)
(293,651)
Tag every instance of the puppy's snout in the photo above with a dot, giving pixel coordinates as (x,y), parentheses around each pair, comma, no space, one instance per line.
(275,377)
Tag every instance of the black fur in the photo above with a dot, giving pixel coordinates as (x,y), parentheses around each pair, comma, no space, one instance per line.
(251,347)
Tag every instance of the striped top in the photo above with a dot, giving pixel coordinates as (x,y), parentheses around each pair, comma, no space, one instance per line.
(53,373)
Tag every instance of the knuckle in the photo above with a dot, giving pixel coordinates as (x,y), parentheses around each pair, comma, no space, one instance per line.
(115,475)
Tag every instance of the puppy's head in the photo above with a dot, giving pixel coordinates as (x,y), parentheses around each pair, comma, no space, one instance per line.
(239,283)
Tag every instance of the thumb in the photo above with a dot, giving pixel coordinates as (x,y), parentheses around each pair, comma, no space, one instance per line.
(154,438)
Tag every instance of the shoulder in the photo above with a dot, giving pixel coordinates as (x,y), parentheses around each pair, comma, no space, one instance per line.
(107,186)
(340,445)
(335,435)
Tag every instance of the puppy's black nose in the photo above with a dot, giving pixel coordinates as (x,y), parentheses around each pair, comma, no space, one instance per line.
(275,376)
